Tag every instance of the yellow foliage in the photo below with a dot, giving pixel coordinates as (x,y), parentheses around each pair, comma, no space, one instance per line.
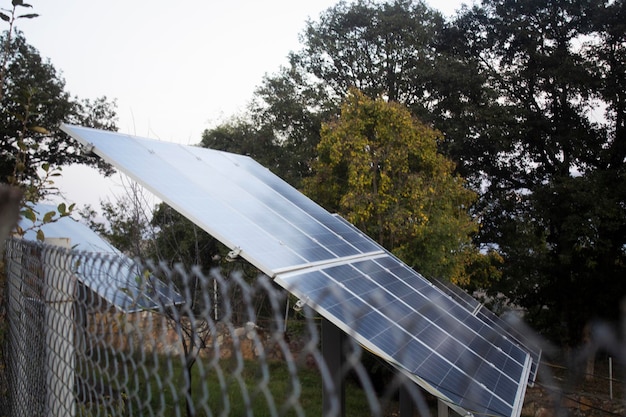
(379,168)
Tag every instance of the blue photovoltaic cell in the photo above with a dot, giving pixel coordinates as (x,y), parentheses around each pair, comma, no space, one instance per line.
(487,316)
(327,262)
(454,352)
(274,226)
(459,304)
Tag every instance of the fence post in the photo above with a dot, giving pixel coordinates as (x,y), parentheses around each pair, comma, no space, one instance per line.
(21,405)
(59,291)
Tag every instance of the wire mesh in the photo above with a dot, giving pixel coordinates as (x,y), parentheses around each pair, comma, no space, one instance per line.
(234,347)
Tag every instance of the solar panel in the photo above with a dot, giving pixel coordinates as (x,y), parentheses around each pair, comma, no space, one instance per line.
(504,326)
(325,261)
(474,307)
(112,276)
(274,227)
(394,312)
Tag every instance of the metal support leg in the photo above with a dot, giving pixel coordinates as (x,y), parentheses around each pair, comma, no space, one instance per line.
(442,409)
(333,398)
(406,402)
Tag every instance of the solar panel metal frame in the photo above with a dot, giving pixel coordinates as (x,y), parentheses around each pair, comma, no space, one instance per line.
(295,236)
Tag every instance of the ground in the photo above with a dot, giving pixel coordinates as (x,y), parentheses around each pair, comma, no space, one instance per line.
(576,396)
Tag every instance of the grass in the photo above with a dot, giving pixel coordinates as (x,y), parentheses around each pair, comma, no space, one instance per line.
(156,387)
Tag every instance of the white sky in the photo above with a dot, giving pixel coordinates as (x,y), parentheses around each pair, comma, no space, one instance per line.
(175,68)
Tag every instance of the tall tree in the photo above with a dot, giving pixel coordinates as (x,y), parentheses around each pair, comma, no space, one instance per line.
(379,167)
(553,199)
(380,48)
(244,137)
(529,97)
(391,49)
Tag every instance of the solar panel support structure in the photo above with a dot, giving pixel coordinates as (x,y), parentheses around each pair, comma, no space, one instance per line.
(333,351)
(406,402)
(333,339)
(442,409)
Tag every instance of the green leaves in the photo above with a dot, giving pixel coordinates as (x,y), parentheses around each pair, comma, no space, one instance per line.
(549,163)
(38,220)
(34,104)
(64,210)
(47,218)
(379,168)
(19,3)
(29,214)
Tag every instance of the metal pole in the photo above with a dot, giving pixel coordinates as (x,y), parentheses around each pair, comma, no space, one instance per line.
(333,396)
(215,301)
(442,409)
(610,377)
(59,291)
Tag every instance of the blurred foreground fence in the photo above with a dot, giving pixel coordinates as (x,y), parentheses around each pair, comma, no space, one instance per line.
(182,343)
(232,348)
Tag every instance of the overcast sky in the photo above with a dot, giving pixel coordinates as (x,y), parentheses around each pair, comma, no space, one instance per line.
(175,68)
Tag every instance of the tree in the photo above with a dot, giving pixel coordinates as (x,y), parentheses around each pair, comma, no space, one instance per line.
(180,240)
(553,193)
(34,103)
(529,97)
(379,167)
(11,16)
(396,50)
(244,137)
(139,232)
(379,48)
(124,222)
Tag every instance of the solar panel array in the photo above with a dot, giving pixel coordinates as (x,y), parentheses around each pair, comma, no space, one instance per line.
(505,327)
(116,282)
(348,278)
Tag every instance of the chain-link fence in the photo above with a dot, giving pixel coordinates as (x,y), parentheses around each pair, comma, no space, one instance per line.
(190,343)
